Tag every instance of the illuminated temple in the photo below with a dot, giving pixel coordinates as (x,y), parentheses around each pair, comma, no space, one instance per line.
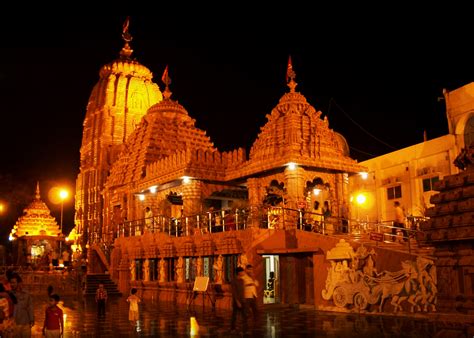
(157,204)
(36,231)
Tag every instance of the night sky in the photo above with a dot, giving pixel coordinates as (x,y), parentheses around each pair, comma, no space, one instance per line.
(386,75)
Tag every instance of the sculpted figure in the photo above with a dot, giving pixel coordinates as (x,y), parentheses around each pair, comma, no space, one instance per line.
(218,270)
(146,270)
(162,271)
(133,268)
(199,267)
(180,270)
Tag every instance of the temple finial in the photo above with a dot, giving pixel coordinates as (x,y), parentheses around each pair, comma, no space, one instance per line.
(126,51)
(37,196)
(290,76)
(167,81)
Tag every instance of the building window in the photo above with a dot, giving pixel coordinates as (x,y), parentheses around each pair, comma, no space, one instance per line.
(190,268)
(170,268)
(208,261)
(394,192)
(139,269)
(153,269)
(428,183)
(230,265)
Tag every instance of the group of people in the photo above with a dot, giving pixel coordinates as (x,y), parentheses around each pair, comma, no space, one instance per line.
(101,300)
(17,313)
(244,296)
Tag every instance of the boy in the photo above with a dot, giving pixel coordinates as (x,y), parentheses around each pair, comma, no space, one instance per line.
(133,299)
(53,320)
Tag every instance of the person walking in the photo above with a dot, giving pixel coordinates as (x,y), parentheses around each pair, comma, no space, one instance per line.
(101,300)
(133,313)
(238,299)
(53,326)
(399,224)
(23,312)
(250,292)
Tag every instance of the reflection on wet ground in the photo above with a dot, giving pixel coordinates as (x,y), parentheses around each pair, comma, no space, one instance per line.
(170,320)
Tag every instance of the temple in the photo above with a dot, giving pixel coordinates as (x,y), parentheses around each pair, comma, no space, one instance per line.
(157,204)
(37,232)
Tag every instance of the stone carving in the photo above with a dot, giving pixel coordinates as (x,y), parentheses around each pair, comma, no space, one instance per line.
(218,267)
(179,269)
(199,266)
(133,270)
(162,276)
(358,284)
(146,270)
(243,261)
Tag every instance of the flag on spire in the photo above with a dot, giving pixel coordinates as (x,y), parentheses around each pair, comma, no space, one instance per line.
(290,74)
(165,78)
(125,25)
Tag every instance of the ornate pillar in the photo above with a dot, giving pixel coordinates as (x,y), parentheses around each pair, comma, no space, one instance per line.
(294,186)
(124,271)
(192,193)
(255,202)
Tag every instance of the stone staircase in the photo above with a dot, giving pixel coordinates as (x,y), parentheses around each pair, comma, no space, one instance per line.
(94,279)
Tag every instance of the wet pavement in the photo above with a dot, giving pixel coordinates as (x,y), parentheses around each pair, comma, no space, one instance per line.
(170,320)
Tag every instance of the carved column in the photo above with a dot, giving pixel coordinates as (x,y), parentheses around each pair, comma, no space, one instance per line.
(146,270)
(255,202)
(192,193)
(124,272)
(294,186)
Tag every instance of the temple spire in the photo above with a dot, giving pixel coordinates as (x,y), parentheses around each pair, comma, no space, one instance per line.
(38,196)
(290,76)
(167,81)
(126,51)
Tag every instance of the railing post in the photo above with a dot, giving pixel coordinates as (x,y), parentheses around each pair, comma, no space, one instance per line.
(223,220)
(186,219)
(300,218)
(198,224)
(236,219)
(210,222)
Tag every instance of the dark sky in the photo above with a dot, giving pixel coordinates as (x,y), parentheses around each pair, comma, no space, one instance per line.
(385,74)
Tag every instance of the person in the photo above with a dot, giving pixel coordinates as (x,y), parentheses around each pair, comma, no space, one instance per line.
(399,222)
(54,258)
(6,313)
(65,255)
(53,326)
(101,299)
(148,219)
(250,292)
(133,299)
(23,313)
(345,218)
(238,299)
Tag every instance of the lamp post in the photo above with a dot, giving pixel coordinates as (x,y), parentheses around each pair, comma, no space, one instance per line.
(63,195)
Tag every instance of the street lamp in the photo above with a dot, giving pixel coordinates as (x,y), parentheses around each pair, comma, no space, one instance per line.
(63,195)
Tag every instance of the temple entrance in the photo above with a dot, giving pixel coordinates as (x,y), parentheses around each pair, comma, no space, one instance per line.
(297,278)
(271,292)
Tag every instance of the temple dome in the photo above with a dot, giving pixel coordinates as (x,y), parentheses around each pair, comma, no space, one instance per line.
(295,132)
(166,129)
(36,221)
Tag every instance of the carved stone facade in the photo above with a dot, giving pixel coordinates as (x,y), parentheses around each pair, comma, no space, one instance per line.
(450,230)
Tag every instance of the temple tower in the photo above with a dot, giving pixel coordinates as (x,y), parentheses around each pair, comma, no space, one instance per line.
(116,105)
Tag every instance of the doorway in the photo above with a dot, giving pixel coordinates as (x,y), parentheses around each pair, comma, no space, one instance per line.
(271,290)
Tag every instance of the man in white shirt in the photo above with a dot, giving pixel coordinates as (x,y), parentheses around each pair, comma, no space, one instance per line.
(250,292)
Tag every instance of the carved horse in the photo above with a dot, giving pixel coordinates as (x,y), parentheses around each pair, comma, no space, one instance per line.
(400,286)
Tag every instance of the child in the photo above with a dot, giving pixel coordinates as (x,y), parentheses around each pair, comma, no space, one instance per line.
(133,299)
(53,320)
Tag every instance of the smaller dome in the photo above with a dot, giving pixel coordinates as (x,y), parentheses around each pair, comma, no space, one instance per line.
(342,142)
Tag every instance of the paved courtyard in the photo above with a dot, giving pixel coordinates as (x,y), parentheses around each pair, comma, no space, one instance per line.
(169,320)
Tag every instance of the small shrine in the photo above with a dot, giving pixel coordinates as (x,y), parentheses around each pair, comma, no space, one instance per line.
(36,233)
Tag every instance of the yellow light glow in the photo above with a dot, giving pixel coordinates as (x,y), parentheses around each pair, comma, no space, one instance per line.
(141,197)
(361,199)
(58,195)
(153,189)
(186,179)
(291,166)
(351,199)
(63,194)
(11,238)
(194,331)
(364,175)
(316,192)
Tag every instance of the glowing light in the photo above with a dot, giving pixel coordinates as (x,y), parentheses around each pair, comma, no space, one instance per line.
(351,199)
(153,189)
(2,207)
(63,194)
(194,331)
(291,166)
(11,238)
(361,199)
(364,175)
(316,191)
(186,179)
(141,197)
